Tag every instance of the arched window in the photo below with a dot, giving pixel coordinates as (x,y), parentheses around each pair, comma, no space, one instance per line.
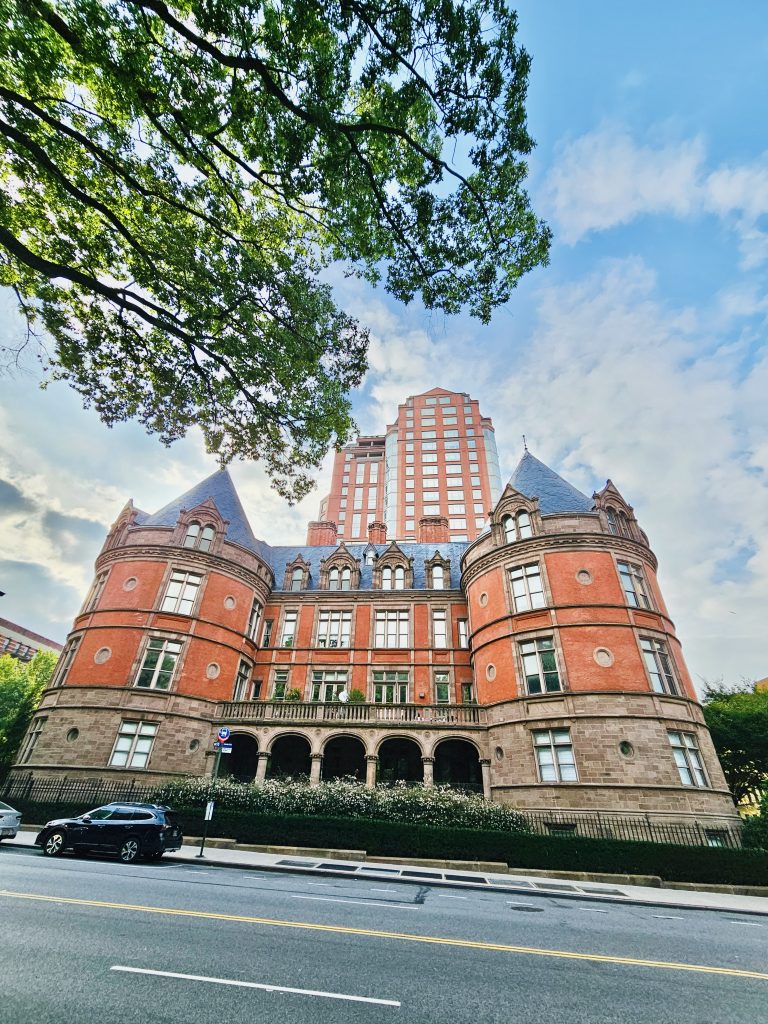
(386,578)
(333,579)
(297,578)
(399,578)
(438,577)
(613,526)
(193,532)
(624,525)
(510,534)
(346,579)
(524,528)
(206,538)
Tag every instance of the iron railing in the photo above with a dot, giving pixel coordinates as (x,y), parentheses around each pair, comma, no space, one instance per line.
(88,793)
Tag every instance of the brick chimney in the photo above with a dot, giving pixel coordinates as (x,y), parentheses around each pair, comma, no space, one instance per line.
(321,533)
(433,530)
(377,533)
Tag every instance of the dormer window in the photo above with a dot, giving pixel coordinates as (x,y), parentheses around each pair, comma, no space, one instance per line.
(296,575)
(297,579)
(613,525)
(438,577)
(517,527)
(393,577)
(199,536)
(339,579)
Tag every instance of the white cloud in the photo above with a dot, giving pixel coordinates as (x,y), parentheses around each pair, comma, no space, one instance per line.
(617,384)
(605,178)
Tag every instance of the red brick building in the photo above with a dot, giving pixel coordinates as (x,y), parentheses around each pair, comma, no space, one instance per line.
(537,664)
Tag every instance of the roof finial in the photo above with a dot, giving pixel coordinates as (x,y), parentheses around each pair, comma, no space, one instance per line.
(525,444)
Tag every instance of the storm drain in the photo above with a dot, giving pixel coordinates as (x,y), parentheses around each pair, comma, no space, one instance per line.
(296,864)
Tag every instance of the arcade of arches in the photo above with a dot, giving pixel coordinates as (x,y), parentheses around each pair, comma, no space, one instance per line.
(456,763)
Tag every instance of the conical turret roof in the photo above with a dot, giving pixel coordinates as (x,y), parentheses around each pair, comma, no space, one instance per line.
(535,480)
(218,488)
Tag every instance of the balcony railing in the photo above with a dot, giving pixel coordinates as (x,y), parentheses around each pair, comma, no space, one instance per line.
(351,714)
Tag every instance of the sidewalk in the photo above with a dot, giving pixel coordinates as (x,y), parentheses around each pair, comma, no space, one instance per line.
(646,890)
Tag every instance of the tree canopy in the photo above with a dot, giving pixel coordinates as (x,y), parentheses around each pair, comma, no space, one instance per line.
(737,719)
(176,175)
(21,686)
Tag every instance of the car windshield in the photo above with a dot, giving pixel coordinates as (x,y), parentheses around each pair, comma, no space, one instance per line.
(5,807)
(100,813)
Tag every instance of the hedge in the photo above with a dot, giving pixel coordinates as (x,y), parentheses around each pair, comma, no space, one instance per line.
(554,853)
(708,865)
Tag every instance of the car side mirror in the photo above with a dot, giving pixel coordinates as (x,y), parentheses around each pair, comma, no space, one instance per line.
(85,817)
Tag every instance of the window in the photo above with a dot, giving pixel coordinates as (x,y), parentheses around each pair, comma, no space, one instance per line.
(431,496)
(31,740)
(540,665)
(451,433)
(373,473)
(253,620)
(633,582)
(428,423)
(339,579)
(451,445)
(297,579)
(453,456)
(429,446)
(65,661)
(289,629)
(467,694)
(181,592)
(280,684)
(372,497)
(160,659)
(687,758)
(613,526)
(266,637)
(334,628)
(355,525)
(471,443)
(390,687)
(462,625)
(360,473)
(358,497)
(327,685)
(242,679)
(455,495)
(430,471)
(428,434)
(429,401)
(450,421)
(429,457)
(517,527)
(457,524)
(442,688)
(527,591)
(438,577)
(478,507)
(391,629)
(659,665)
(431,510)
(95,592)
(554,755)
(133,744)
(439,629)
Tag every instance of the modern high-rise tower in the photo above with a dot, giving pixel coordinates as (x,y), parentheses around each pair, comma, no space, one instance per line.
(436,466)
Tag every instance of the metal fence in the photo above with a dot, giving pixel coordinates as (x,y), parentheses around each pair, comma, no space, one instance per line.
(92,792)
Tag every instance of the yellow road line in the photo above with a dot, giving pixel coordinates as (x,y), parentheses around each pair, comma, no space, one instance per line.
(434,940)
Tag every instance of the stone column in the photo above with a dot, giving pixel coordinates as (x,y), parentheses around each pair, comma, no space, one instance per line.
(317,764)
(429,770)
(485,768)
(371,763)
(261,767)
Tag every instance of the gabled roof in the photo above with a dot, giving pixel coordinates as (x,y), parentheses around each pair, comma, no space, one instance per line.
(219,489)
(535,480)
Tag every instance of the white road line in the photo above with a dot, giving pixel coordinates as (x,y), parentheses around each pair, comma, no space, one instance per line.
(446,897)
(592,910)
(516,903)
(254,984)
(362,903)
(322,885)
(667,917)
(747,924)
(382,890)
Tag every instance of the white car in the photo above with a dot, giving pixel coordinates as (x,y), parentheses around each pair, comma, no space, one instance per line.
(9,821)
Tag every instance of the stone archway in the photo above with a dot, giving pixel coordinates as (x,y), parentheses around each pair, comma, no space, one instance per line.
(289,756)
(241,764)
(400,761)
(457,764)
(344,756)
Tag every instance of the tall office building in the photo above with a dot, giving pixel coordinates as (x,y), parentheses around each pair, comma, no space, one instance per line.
(435,471)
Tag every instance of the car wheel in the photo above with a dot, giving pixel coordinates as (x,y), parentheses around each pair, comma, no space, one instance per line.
(54,844)
(129,851)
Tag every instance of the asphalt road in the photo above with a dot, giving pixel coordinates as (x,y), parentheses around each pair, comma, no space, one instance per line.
(91,940)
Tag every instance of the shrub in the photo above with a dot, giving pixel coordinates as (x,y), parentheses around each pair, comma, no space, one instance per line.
(347,798)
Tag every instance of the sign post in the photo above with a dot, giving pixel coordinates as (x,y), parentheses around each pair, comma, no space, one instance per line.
(221,746)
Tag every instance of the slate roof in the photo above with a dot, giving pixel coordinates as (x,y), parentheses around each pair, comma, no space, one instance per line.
(218,487)
(278,557)
(535,480)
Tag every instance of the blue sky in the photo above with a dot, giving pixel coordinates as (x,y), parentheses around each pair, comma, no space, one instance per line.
(639,354)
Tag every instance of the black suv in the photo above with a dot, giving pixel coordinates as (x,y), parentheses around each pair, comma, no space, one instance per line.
(129,830)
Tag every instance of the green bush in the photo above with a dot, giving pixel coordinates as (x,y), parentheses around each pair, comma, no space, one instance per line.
(702,864)
(345,798)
